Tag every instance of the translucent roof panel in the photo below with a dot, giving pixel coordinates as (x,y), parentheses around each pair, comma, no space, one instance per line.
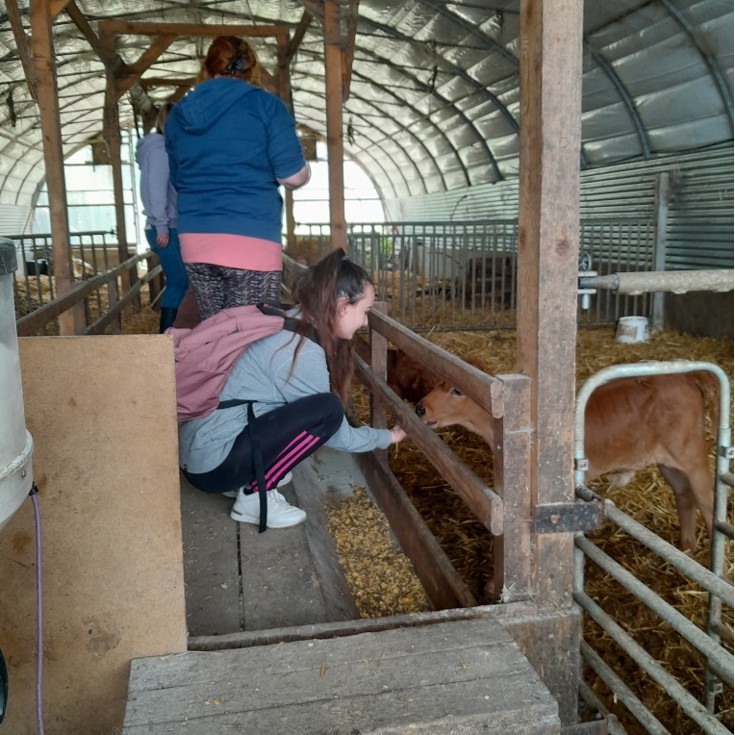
(434,98)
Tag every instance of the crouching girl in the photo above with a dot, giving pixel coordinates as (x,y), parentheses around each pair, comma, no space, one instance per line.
(296,385)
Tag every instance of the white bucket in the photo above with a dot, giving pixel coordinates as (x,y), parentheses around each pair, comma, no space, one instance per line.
(632,329)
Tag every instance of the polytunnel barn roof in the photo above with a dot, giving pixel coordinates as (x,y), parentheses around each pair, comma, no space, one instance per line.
(433,99)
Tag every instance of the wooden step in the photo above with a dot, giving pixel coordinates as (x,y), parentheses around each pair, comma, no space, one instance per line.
(452,678)
(238,579)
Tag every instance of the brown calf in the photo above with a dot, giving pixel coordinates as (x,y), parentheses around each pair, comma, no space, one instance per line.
(629,423)
(405,377)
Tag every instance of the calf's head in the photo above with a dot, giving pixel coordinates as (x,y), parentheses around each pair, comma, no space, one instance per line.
(442,407)
(446,406)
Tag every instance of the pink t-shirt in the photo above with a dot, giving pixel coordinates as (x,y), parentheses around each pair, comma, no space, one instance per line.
(232,251)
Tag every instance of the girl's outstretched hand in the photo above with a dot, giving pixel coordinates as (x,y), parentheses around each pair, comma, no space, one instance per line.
(397,434)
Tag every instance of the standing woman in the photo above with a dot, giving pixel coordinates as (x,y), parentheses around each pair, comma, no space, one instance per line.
(298,383)
(231,144)
(159,208)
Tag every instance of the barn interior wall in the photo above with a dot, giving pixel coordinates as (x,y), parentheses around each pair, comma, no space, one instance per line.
(700,313)
(700,217)
(13,219)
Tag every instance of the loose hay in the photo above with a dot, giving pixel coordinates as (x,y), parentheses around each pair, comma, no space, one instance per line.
(647,498)
(380,576)
(383,582)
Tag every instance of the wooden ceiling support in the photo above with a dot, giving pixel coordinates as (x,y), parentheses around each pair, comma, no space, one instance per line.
(348,47)
(23,45)
(335,142)
(122,28)
(44,69)
(298,36)
(339,25)
(548,247)
(56,6)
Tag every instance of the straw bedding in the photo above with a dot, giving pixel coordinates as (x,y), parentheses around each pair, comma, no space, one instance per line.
(383,581)
(647,498)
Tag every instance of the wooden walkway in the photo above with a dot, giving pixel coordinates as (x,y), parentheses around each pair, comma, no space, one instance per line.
(279,646)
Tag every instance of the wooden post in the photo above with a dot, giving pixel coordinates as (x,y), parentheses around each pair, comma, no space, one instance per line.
(335,144)
(513,550)
(548,244)
(70,322)
(111,132)
(283,80)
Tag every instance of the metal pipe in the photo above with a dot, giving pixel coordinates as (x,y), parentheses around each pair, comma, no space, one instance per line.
(719,659)
(639,282)
(595,704)
(678,559)
(694,709)
(642,369)
(622,692)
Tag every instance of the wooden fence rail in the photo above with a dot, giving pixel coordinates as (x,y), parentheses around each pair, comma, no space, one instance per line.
(30,323)
(507,509)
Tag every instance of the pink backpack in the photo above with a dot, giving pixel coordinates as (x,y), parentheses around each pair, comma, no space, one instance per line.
(206,353)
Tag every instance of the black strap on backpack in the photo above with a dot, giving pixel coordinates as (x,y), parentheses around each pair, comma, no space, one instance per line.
(292,325)
(258,471)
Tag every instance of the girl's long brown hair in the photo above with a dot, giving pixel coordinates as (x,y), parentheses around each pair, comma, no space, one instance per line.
(317,291)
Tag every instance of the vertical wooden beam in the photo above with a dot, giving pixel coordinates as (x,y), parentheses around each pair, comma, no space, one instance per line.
(283,80)
(72,321)
(513,550)
(111,134)
(335,143)
(548,244)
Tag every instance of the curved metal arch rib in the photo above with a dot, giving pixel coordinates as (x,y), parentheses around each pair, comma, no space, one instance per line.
(403,150)
(457,72)
(438,130)
(709,61)
(440,8)
(622,90)
(407,129)
(444,101)
(461,73)
(389,177)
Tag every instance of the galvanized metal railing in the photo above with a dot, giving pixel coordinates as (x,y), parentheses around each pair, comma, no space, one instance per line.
(719,660)
(462,275)
(102,285)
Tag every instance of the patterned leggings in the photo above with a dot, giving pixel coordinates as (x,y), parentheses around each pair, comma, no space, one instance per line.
(217,287)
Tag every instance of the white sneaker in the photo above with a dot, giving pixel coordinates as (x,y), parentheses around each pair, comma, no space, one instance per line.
(282,483)
(281,514)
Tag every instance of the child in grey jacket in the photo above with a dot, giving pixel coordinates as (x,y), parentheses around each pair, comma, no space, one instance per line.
(159,207)
(298,384)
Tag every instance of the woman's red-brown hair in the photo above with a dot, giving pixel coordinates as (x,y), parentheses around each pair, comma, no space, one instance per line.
(230,56)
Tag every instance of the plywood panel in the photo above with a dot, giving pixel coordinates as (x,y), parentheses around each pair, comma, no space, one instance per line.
(101,411)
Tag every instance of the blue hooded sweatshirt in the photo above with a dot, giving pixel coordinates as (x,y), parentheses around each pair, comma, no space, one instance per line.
(228,142)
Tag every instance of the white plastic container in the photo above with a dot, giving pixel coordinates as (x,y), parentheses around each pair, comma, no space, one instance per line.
(632,329)
(16,444)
